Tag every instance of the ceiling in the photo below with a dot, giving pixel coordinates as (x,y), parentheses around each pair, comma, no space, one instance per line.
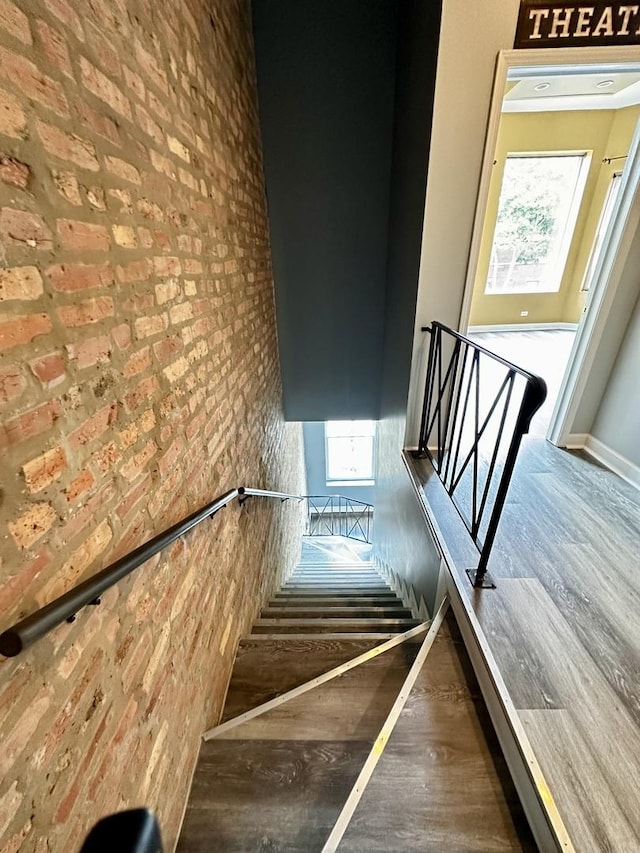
(543,90)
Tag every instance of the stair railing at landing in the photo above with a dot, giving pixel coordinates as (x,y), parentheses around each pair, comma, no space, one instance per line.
(471,430)
(66,607)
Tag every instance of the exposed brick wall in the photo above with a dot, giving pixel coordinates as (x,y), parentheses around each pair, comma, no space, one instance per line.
(138,379)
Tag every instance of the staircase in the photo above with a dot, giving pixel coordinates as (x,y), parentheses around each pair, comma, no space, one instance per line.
(276,780)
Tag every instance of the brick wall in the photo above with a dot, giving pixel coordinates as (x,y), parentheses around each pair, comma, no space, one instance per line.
(138,379)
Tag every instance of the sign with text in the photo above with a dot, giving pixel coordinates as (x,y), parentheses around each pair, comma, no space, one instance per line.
(575,24)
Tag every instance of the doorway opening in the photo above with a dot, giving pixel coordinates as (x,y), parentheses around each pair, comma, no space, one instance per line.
(549,215)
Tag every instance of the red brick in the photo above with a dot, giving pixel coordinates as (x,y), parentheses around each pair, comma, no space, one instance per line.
(98,122)
(63,11)
(151,68)
(22,228)
(103,50)
(94,426)
(148,125)
(100,85)
(20,283)
(138,363)
(81,484)
(14,589)
(87,311)
(141,393)
(107,457)
(12,118)
(73,277)
(168,461)
(164,350)
(55,47)
(12,383)
(122,169)
(13,172)
(49,369)
(164,266)
(32,83)
(134,271)
(146,326)
(82,236)
(136,465)
(15,22)
(23,329)
(122,336)
(91,351)
(44,469)
(81,518)
(33,423)
(68,146)
(132,497)
(134,82)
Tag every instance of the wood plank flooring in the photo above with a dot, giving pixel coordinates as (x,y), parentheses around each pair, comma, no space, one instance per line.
(278,782)
(456,793)
(562,626)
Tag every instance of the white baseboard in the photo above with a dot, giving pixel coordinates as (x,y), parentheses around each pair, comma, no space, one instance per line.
(576,441)
(604,454)
(620,465)
(525,327)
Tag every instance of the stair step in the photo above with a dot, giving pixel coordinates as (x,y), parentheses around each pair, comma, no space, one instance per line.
(338,636)
(339,594)
(295,601)
(328,624)
(355,611)
(337,585)
(338,575)
(263,669)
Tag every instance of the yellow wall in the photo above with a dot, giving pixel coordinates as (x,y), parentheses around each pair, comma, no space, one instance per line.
(604,133)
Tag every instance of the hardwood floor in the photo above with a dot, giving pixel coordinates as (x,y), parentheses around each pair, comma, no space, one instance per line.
(545,352)
(562,626)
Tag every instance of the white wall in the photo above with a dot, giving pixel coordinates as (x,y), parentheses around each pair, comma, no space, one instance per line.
(472,34)
(617,424)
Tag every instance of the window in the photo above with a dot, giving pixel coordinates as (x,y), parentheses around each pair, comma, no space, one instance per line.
(539,202)
(349,452)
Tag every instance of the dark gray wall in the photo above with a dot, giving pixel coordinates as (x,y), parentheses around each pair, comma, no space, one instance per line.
(316,467)
(401,539)
(326,83)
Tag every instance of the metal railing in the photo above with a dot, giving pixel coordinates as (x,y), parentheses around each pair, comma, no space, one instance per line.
(329,515)
(472,432)
(336,515)
(65,608)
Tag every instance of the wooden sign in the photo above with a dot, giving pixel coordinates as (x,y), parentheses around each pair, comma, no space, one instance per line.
(575,24)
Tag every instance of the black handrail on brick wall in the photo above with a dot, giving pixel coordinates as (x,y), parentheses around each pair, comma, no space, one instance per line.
(457,416)
(64,608)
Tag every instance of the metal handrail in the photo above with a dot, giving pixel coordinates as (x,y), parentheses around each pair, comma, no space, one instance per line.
(448,407)
(64,608)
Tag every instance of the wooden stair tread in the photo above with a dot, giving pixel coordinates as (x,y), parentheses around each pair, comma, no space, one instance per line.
(340,708)
(274,612)
(265,668)
(456,791)
(253,797)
